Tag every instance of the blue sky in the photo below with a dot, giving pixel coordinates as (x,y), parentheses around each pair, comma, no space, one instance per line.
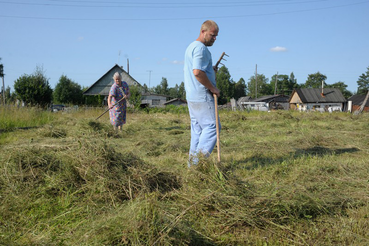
(83,39)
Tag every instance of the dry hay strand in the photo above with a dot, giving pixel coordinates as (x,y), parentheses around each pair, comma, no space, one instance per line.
(121,175)
(52,131)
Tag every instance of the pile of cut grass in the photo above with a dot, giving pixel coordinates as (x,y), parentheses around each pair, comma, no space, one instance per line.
(285,178)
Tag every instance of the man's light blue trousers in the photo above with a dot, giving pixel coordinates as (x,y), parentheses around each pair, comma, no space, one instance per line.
(203,129)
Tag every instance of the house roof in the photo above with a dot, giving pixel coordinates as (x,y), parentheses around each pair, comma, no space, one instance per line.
(174,100)
(313,95)
(154,94)
(358,100)
(103,84)
(244,99)
(275,98)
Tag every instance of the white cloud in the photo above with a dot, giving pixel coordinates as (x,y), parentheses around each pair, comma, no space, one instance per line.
(80,39)
(278,49)
(177,62)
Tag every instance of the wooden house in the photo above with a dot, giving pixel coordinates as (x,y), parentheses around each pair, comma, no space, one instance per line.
(317,99)
(274,101)
(270,102)
(153,100)
(356,101)
(103,84)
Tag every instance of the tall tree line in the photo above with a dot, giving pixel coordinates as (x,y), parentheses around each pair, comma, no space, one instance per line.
(34,89)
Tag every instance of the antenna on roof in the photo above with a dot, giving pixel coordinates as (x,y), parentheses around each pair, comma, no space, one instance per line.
(127,65)
(118,57)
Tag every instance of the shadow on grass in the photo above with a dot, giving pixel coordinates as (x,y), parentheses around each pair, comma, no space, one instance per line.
(321,151)
(259,160)
(12,129)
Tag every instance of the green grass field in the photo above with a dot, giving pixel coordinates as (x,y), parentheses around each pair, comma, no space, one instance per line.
(285,178)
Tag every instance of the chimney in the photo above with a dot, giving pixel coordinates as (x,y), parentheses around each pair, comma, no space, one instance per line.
(322,94)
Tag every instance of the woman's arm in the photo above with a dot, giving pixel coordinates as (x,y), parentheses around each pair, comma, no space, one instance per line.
(109,101)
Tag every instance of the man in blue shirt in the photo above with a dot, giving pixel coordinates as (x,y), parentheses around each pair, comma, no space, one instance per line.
(200,85)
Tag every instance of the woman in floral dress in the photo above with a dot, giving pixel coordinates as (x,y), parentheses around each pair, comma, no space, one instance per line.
(118,91)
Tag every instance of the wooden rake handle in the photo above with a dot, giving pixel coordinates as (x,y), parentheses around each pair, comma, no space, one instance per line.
(124,97)
(217,124)
(216,107)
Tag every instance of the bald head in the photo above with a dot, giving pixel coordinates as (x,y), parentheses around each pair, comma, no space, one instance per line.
(207,25)
(208,33)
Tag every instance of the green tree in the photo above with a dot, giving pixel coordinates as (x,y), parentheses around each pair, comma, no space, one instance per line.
(145,88)
(162,88)
(182,91)
(315,80)
(10,97)
(34,89)
(240,89)
(363,82)
(225,85)
(95,100)
(342,87)
(178,91)
(285,84)
(292,84)
(67,91)
(136,96)
(173,92)
(292,79)
(259,86)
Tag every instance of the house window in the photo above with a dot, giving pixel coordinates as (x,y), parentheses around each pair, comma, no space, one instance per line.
(155,101)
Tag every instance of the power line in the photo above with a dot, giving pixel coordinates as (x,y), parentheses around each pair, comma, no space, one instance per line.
(179,18)
(115,4)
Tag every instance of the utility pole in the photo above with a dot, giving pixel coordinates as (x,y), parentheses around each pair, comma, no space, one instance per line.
(256,81)
(275,85)
(2,76)
(149,76)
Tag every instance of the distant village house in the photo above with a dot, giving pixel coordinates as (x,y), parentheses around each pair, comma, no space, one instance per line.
(355,102)
(315,99)
(103,84)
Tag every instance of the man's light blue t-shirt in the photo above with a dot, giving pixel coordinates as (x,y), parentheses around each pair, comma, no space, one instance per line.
(197,56)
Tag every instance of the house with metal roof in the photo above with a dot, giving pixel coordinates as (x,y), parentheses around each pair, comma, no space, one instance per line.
(317,99)
(274,101)
(103,84)
(153,100)
(356,101)
(271,102)
(176,101)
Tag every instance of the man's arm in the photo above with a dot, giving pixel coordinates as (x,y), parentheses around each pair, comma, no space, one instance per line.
(204,80)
